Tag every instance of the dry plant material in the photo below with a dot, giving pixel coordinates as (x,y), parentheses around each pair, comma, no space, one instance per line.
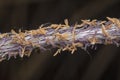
(60,36)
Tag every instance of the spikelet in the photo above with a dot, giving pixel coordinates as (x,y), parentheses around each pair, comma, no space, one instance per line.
(60,36)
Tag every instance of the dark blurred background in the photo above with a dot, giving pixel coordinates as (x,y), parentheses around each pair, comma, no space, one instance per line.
(100,64)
